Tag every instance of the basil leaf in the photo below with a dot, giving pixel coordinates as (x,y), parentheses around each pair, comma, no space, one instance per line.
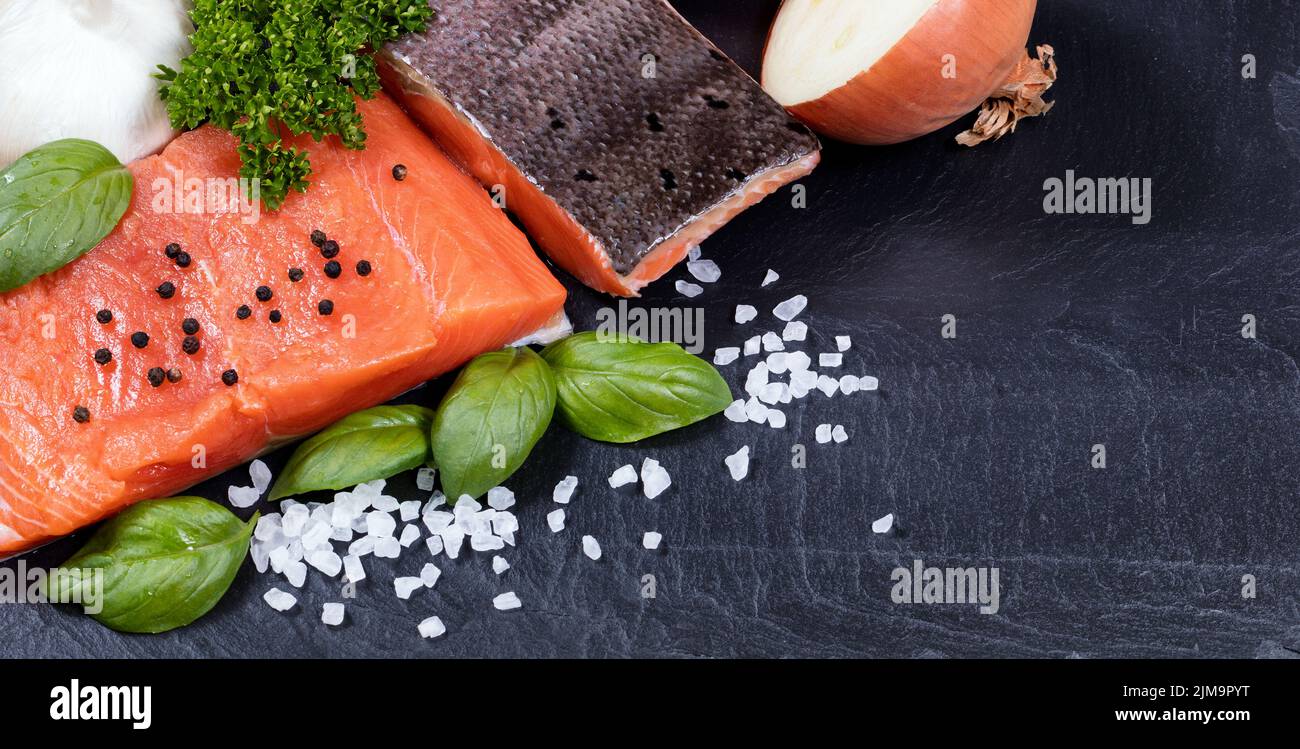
(494,413)
(165,563)
(56,203)
(626,390)
(368,445)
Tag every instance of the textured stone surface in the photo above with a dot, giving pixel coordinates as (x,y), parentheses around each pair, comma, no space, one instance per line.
(1072,331)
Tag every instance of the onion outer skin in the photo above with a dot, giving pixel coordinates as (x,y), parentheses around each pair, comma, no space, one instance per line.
(890,103)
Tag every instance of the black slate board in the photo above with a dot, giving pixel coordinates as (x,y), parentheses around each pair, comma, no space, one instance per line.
(1072,331)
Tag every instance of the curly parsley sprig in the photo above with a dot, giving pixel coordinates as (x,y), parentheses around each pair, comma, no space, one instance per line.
(261,67)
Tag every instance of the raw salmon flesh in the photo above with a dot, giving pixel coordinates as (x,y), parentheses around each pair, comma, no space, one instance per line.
(450,278)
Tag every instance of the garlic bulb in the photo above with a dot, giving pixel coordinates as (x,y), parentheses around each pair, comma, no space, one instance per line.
(84,69)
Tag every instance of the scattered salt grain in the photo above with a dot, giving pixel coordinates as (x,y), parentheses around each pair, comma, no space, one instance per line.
(294,520)
(771,277)
(260,474)
(325,560)
(654,478)
(777,362)
(736,412)
(795,330)
(362,546)
(738,463)
(623,476)
(352,569)
(651,540)
(563,491)
(506,601)
(726,355)
(380,524)
(500,498)
(694,252)
(317,534)
(839,435)
(790,308)
(296,573)
(452,539)
(884,524)
(771,393)
(843,342)
(409,511)
(499,564)
(753,345)
(432,627)
(688,289)
(332,614)
(756,411)
(705,271)
(406,585)
(279,600)
(776,418)
(848,384)
(828,385)
(410,534)
(386,503)
(591,547)
(823,433)
(424,479)
(243,496)
(868,382)
(434,544)
(798,361)
(388,548)
(745,313)
(485,541)
(555,520)
(773,342)
(830,360)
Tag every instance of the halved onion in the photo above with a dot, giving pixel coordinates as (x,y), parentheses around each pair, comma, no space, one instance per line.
(886,71)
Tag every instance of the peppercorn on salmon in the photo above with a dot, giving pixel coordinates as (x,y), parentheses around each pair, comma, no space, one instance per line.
(192,339)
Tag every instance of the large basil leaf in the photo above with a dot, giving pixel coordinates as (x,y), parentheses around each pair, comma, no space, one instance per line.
(57,202)
(368,445)
(625,390)
(495,412)
(165,563)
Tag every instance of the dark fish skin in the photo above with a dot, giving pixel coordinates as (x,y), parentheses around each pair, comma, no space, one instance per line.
(617,110)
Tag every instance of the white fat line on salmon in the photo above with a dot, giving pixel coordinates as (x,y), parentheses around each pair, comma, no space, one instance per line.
(208,196)
(23,584)
(75,702)
(680,325)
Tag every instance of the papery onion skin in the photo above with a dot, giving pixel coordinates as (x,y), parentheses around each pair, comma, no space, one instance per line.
(904,95)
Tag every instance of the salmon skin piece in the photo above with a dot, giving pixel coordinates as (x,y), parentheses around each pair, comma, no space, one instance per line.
(621,136)
(450,278)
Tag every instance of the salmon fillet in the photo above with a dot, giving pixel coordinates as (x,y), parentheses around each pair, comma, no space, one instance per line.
(451,278)
(613,129)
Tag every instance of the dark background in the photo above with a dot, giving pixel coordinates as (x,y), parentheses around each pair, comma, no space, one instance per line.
(1072,331)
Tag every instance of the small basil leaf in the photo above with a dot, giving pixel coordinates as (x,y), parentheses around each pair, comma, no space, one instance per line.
(626,390)
(57,202)
(494,413)
(165,563)
(368,445)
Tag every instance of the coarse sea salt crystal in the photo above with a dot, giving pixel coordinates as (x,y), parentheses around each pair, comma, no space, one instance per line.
(591,547)
(771,277)
(242,496)
(506,601)
(326,560)
(555,520)
(777,362)
(260,473)
(795,330)
(434,544)
(388,548)
(499,564)
(651,540)
(823,433)
(500,498)
(843,342)
(756,378)
(798,361)
(452,539)
(773,342)
(484,541)
(756,411)
(436,520)
(830,360)
(745,313)
(623,476)
(705,271)
(753,345)
(883,524)
(726,355)
(332,614)
(867,382)
(386,503)
(848,384)
(504,523)
(279,600)
(776,418)
(563,491)
(362,546)
(771,393)
(267,527)
(790,308)
(352,568)
(424,479)
(688,289)
(828,385)
(839,435)
(294,520)
(432,627)
(404,586)
(410,534)
(380,524)
(738,463)
(317,534)
(261,556)
(654,478)
(409,511)
(296,573)
(736,412)
(694,252)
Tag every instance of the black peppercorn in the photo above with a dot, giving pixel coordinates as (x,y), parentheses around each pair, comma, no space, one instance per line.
(333,269)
